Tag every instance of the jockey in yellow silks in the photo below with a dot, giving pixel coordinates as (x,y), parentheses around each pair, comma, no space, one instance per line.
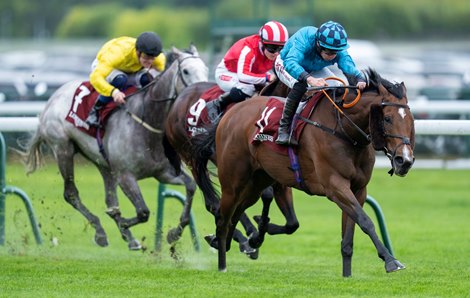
(122,62)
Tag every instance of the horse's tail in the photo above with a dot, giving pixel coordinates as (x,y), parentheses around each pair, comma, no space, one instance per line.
(171,154)
(31,153)
(203,147)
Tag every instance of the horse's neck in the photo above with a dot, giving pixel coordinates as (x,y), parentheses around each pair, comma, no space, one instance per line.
(354,117)
(165,86)
(157,99)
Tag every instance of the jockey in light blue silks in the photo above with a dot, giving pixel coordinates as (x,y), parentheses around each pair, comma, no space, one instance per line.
(303,62)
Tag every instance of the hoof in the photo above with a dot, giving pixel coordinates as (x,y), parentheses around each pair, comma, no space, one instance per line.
(101,240)
(212,241)
(393,266)
(134,245)
(253,255)
(245,248)
(173,235)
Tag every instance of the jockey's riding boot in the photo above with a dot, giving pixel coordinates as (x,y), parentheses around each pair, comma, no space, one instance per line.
(217,106)
(93,117)
(285,137)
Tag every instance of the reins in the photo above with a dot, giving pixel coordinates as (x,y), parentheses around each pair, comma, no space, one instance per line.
(339,110)
(146,88)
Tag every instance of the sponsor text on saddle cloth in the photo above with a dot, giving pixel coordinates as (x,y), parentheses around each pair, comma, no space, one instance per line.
(83,100)
(268,123)
(197,117)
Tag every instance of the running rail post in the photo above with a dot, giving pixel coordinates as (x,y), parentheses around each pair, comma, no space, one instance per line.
(162,195)
(5,189)
(381,220)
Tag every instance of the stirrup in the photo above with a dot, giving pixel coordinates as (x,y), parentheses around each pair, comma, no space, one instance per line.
(93,120)
(213,111)
(289,141)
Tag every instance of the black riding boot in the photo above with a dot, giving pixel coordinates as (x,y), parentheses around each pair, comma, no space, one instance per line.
(93,117)
(217,106)
(284,137)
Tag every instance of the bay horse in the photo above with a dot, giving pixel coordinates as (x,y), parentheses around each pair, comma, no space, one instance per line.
(335,156)
(177,143)
(133,147)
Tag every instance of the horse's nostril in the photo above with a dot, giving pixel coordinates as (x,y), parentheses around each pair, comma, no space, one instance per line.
(398,160)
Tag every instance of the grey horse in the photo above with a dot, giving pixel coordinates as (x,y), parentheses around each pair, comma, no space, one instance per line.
(133,147)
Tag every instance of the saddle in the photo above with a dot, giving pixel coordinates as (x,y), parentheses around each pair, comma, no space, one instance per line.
(83,101)
(197,117)
(268,123)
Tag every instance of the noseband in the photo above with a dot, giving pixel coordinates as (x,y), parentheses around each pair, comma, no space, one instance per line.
(180,72)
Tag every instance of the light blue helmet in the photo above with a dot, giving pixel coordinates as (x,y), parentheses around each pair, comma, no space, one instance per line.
(331,35)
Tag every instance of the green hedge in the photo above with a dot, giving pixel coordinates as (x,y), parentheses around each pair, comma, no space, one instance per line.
(367,19)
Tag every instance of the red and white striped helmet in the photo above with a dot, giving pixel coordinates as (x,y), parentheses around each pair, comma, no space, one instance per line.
(273,33)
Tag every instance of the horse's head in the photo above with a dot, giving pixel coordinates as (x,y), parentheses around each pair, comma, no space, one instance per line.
(191,68)
(392,124)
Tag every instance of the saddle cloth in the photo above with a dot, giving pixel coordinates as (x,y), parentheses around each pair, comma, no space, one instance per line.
(268,123)
(197,117)
(83,101)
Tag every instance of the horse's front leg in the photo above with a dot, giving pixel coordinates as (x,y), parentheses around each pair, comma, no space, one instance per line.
(347,241)
(131,189)
(112,204)
(175,233)
(351,205)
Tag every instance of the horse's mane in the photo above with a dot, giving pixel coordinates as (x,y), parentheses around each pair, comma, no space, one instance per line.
(374,81)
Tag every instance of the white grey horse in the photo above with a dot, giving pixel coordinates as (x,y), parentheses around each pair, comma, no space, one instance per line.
(133,147)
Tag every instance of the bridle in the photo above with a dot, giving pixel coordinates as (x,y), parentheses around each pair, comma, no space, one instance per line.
(404,140)
(179,75)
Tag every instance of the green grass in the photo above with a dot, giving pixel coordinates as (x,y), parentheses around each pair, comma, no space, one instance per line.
(427,216)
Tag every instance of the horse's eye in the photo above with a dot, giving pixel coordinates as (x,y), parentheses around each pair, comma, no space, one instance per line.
(388,119)
(185,71)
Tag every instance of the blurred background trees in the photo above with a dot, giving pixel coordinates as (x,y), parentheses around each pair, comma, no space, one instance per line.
(182,21)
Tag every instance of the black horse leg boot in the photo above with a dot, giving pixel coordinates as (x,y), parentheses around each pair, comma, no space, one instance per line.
(284,136)
(93,117)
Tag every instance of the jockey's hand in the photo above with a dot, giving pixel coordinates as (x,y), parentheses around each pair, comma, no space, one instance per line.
(361,85)
(119,97)
(314,82)
(272,77)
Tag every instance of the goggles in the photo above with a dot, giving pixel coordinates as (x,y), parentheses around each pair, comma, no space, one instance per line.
(328,52)
(273,48)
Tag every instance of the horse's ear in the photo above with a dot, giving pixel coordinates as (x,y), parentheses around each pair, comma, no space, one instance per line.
(382,90)
(193,49)
(376,127)
(176,50)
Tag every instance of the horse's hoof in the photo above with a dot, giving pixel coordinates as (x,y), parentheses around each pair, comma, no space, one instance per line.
(253,255)
(173,235)
(134,244)
(101,240)
(251,252)
(212,241)
(393,266)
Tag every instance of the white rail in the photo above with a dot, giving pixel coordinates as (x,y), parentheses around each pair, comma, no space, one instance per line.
(422,127)
(458,107)
(16,124)
(21,108)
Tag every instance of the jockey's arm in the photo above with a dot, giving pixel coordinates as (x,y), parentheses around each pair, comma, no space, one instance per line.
(98,79)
